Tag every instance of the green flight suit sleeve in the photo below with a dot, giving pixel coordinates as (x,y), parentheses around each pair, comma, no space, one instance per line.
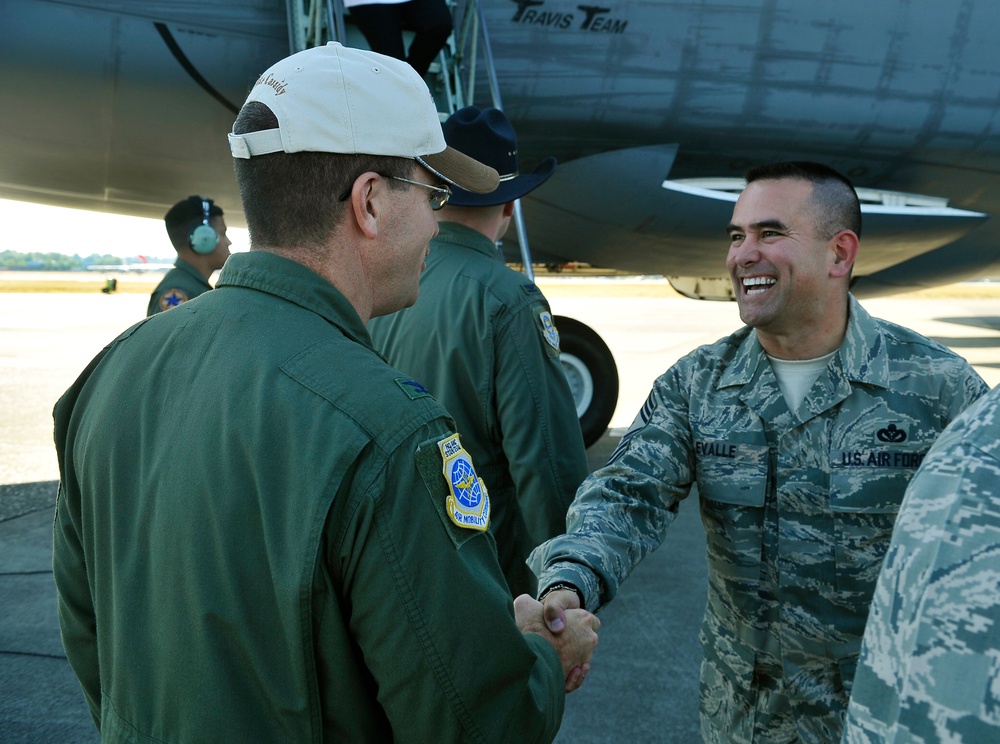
(541,435)
(77,621)
(77,618)
(430,612)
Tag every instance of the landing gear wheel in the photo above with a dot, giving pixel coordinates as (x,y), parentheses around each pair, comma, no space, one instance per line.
(592,375)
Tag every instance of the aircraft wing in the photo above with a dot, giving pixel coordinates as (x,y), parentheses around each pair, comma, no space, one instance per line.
(123,107)
(618,210)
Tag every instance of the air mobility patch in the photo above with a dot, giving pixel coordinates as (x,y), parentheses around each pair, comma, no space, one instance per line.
(173,298)
(467,503)
(549,331)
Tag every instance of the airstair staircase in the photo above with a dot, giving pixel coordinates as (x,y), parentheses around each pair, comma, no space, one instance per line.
(451,79)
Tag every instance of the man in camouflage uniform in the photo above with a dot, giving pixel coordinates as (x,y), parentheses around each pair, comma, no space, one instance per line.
(801,432)
(930,661)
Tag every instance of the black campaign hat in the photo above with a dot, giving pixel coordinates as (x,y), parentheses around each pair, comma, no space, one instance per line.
(488,136)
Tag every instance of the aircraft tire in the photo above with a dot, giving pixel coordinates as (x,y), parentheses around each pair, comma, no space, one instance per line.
(592,375)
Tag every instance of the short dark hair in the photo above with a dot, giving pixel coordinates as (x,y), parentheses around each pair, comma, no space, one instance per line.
(291,199)
(836,201)
(185,216)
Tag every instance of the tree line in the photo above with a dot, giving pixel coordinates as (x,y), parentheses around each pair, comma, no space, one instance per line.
(17,261)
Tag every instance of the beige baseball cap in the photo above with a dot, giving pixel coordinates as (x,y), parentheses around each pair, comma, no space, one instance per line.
(351,101)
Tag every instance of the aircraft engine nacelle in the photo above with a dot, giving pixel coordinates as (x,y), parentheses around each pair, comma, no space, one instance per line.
(718,288)
(676,228)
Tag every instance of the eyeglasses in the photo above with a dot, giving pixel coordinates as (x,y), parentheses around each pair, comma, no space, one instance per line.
(439,194)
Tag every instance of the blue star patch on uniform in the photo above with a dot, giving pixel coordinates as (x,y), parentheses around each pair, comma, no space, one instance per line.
(172,298)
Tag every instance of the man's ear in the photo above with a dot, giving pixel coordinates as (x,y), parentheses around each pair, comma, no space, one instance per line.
(844,246)
(365,204)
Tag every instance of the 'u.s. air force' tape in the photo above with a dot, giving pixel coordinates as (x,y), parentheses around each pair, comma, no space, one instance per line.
(467,503)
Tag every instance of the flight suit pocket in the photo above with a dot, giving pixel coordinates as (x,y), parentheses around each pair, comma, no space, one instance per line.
(732,487)
(868,490)
(864,503)
(731,472)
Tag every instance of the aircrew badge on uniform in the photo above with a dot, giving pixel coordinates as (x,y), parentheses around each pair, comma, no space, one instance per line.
(468,503)
(173,298)
(549,331)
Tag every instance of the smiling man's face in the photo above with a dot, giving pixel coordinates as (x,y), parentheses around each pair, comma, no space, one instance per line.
(778,265)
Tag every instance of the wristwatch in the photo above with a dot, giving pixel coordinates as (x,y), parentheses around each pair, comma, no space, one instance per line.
(562,585)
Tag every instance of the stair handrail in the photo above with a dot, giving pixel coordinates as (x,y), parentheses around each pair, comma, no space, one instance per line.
(491,77)
(305,29)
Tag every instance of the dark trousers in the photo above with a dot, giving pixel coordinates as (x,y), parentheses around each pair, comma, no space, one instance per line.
(382,26)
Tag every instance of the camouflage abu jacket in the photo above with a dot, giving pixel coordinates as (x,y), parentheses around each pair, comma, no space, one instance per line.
(798,507)
(929,663)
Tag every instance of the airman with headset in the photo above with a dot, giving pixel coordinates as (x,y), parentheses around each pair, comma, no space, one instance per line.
(198,234)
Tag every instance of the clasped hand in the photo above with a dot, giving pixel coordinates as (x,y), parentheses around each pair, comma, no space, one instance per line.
(574,640)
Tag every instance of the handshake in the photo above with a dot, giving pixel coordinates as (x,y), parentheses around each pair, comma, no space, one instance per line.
(571,630)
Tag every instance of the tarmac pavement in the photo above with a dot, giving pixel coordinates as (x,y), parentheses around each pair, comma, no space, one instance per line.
(643,684)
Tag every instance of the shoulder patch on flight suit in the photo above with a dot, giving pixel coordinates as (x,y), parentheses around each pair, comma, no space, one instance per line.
(412,388)
(530,289)
(549,331)
(468,503)
(430,462)
(172,298)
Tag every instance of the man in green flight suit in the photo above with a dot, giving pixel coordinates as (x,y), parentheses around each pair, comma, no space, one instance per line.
(482,340)
(801,431)
(197,231)
(311,562)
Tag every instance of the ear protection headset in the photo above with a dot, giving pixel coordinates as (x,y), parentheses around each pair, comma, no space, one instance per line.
(203,238)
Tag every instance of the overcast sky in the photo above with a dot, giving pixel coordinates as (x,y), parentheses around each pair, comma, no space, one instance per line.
(32,227)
